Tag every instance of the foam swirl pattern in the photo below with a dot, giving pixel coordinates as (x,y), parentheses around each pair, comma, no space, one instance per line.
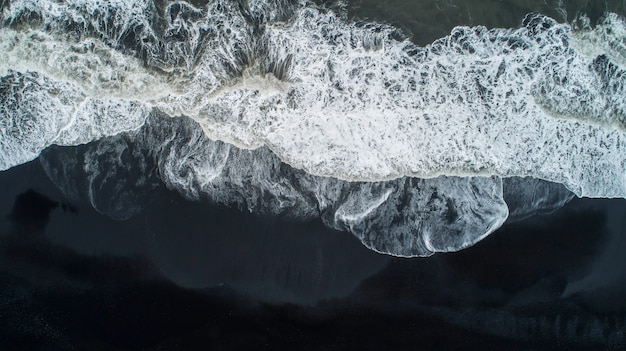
(36,112)
(354,102)
(403,217)
(302,113)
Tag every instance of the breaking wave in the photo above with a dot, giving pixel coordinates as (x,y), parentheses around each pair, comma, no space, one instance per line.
(402,217)
(298,111)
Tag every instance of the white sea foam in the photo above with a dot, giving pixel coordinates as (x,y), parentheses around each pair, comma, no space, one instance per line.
(37,112)
(362,106)
(99,71)
(607,38)
(403,217)
(341,100)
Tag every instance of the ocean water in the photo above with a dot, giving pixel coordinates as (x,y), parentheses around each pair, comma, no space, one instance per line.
(285,150)
(426,21)
(408,147)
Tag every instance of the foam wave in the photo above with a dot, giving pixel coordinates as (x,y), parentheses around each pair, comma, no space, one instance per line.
(363,106)
(404,217)
(341,100)
(606,38)
(99,71)
(37,112)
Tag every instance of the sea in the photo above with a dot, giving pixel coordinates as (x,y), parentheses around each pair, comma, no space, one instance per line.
(293,174)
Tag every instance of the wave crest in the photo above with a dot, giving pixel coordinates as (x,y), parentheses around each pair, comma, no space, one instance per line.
(351,101)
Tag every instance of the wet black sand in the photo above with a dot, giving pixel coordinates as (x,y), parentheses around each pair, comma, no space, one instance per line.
(72,278)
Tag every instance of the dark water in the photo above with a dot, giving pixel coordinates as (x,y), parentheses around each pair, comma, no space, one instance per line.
(186,275)
(426,21)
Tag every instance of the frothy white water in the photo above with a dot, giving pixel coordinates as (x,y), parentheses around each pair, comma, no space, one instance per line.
(363,106)
(37,112)
(606,38)
(404,217)
(354,103)
(99,71)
